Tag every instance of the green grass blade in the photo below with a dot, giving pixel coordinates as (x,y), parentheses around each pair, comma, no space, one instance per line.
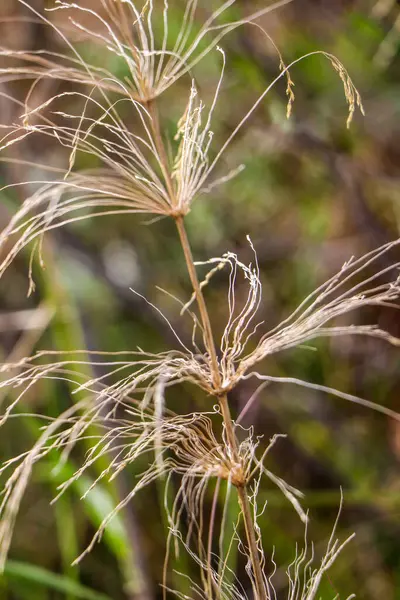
(43,577)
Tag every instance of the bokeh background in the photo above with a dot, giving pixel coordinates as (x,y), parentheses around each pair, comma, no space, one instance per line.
(313,194)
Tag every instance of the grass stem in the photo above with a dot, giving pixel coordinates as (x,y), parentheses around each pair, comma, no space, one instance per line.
(225,412)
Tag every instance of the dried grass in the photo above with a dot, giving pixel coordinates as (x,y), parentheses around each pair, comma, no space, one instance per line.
(124,410)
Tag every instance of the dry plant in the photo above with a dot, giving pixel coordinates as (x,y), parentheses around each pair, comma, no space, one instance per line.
(140,174)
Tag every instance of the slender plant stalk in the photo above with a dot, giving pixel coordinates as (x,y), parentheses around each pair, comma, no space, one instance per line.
(244,501)
(225,411)
(205,320)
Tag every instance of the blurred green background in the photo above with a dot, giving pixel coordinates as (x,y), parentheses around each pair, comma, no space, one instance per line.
(313,194)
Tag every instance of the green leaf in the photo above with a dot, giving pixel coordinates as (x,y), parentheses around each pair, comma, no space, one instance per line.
(45,578)
(98,504)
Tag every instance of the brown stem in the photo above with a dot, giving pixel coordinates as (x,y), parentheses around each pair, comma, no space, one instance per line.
(230,431)
(244,502)
(225,412)
(252,542)
(205,319)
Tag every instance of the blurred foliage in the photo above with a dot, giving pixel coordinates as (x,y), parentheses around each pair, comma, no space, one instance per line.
(312,194)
